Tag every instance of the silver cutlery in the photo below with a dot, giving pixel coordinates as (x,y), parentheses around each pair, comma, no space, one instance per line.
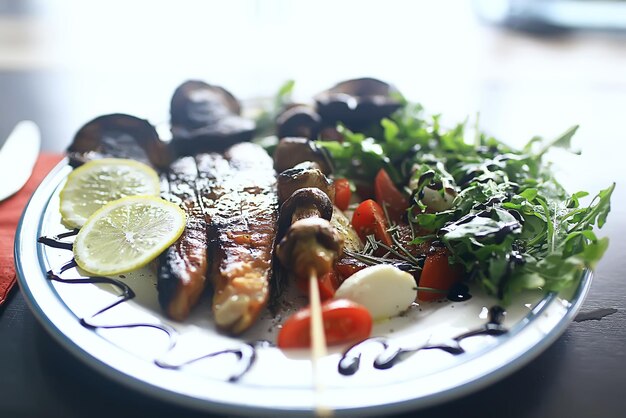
(17,157)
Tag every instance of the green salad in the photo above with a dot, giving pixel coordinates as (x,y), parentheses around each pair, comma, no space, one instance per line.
(499,211)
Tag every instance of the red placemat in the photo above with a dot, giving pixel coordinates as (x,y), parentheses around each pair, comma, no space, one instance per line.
(10,213)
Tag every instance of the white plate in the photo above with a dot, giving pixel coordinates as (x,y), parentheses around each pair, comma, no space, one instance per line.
(277,382)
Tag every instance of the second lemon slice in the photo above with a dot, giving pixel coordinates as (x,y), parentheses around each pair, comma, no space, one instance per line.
(98,182)
(127,234)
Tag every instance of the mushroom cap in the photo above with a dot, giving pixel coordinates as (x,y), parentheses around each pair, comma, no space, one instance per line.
(291,151)
(296,250)
(196,104)
(122,136)
(205,117)
(306,174)
(298,120)
(358,103)
(308,197)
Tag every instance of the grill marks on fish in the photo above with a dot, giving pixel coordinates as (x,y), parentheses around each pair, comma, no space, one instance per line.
(183,266)
(240,200)
(232,211)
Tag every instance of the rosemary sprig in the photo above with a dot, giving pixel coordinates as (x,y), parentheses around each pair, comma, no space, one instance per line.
(396,255)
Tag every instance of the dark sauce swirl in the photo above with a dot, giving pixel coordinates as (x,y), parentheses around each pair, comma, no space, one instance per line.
(390,356)
(459,293)
(56,241)
(246,354)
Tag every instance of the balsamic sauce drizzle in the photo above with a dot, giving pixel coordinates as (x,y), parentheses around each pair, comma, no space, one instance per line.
(390,356)
(246,355)
(459,293)
(56,241)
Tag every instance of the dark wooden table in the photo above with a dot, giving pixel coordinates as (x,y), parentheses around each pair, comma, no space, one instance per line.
(583,374)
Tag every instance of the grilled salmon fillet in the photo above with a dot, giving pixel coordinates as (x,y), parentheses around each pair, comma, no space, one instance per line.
(183,267)
(240,200)
(232,213)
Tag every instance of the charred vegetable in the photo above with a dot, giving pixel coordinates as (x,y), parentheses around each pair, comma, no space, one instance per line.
(121,136)
(301,176)
(292,151)
(298,121)
(358,103)
(206,118)
(309,202)
(310,243)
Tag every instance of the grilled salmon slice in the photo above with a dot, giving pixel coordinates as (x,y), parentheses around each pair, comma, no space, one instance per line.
(240,200)
(182,268)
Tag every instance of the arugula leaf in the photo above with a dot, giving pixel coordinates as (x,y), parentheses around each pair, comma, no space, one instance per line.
(562,141)
(511,224)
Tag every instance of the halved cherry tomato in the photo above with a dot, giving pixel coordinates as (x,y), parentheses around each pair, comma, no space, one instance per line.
(344,321)
(343,194)
(346,266)
(405,235)
(388,194)
(328,284)
(439,274)
(368,219)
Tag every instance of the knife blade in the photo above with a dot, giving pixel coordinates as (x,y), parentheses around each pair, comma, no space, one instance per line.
(18,157)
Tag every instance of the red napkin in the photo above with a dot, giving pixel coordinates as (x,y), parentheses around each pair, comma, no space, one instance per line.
(10,212)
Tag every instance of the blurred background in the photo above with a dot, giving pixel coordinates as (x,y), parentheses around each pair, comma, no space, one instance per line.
(64,62)
(532,67)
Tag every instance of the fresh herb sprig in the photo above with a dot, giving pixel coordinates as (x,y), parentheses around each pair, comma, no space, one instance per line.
(511,224)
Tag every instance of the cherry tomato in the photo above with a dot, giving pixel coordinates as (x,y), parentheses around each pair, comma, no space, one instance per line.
(405,235)
(328,284)
(344,321)
(388,194)
(438,273)
(346,266)
(368,219)
(343,194)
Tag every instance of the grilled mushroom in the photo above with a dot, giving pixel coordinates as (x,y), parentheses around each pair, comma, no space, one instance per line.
(206,118)
(310,243)
(358,103)
(122,136)
(292,151)
(306,174)
(304,203)
(298,120)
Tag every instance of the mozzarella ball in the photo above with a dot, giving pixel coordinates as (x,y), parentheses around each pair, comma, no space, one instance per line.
(385,290)
(438,201)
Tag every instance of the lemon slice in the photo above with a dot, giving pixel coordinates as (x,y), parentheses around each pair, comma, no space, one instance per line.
(98,182)
(127,234)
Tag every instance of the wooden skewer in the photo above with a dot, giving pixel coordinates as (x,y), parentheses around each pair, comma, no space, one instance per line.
(318,338)
(318,343)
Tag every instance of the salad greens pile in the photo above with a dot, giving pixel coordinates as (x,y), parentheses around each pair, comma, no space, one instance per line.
(510,223)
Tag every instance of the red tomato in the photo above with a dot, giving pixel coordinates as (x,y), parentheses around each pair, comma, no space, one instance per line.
(344,321)
(438,273)
(343,194)
(347,266)
(328,284)
(388,194)
(368,219)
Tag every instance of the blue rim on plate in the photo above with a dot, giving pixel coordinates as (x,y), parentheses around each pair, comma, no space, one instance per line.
(526,339)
